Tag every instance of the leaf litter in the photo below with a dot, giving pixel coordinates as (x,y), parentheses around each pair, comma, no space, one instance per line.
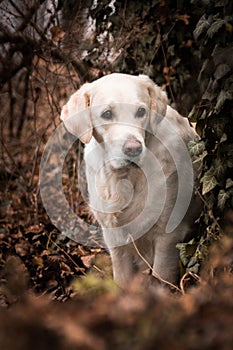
(61,295)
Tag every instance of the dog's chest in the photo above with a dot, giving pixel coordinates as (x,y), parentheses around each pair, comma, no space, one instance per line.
(132,194)
(121,196)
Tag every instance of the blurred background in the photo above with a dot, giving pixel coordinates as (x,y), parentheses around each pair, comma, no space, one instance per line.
(50,48)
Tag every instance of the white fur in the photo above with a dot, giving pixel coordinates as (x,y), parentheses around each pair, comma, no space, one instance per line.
(124,204)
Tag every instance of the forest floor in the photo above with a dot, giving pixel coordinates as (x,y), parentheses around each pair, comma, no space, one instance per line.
(58,294)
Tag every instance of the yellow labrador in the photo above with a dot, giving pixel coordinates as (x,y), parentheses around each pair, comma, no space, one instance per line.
(139,174)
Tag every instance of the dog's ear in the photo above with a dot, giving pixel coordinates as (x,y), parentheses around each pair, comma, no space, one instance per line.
(158,101)
(76,114)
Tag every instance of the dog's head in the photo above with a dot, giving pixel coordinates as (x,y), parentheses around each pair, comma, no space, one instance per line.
(116,110)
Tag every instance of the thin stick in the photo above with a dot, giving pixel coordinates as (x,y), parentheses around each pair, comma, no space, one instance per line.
(155,274)
(194,275)
(210,212)
(63,251)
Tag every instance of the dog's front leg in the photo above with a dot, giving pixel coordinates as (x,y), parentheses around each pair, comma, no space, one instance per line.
(166,259)
(122,264)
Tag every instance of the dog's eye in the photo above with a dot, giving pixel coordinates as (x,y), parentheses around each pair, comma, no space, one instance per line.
(140,112)
(107,115)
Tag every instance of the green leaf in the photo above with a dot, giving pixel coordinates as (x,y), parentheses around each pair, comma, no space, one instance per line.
(193,265)
(223,138)
(221,71)
(196,147)
(222,198)
(215,26)
(219,168)
(193,114)
(229,160)
(192,261)
(209,181)
(229,183)
(186,251)
(201,28)
(222,97)
(201,157)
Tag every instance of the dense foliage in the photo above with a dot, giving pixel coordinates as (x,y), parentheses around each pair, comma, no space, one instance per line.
(50,48)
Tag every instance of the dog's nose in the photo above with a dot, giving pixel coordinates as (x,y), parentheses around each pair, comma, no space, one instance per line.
(132,148)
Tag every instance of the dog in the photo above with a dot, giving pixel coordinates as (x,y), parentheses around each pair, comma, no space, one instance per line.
(140,177)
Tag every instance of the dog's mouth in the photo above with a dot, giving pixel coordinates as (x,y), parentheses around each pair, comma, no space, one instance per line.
(131,163)
(124,164)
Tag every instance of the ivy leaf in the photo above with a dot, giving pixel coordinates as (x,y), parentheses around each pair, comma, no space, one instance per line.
(193,265)
(222,97)
(215,26)
(222,198)
(229,183)
(196,147)
(187,250)
(193,114)
(201,28)
(201,157)
(223,138)
(230,156)
(221,71)
(209,181)
(219,168)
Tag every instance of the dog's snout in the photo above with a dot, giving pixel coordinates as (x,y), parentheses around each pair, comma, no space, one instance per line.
(132,148)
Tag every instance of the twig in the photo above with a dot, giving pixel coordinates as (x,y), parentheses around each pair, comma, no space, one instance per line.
(194,275)
(155,274)
(98,269)
(165,58)
(25,100)
(19,170)
(63,251)
(210,212)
